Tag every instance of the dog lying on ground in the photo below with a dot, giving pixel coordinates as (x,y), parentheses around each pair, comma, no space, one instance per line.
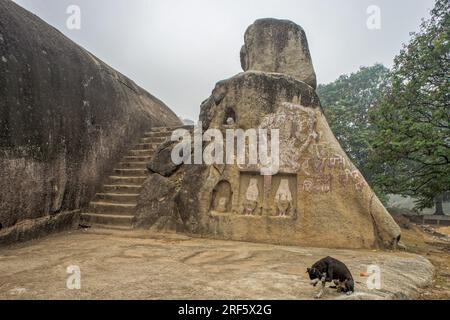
(331,270)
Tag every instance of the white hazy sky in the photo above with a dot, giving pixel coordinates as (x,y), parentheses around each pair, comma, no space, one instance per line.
(179,49)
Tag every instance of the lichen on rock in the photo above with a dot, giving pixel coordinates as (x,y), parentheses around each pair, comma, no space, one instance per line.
(317,198)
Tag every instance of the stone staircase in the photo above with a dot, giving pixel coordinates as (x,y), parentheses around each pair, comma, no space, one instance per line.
(115,205)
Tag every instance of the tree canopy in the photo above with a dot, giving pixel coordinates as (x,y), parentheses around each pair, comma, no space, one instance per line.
(411,136)
(346,104)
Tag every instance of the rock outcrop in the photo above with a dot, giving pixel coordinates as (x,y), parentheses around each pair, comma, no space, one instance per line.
(316,198)
(280,46)
(158,194)
(65,118)
(172,266)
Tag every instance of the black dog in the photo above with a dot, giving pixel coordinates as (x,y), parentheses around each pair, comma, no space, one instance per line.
(329,269)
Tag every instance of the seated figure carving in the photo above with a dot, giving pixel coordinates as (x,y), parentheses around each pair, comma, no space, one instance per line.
(251,198)
(222,205)
(283,199)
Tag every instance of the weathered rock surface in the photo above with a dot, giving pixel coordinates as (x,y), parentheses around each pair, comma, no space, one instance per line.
(250,96)
(134,266)
(189,200)
(157,200)
(316,198)
(161,162)
(273,45)
(65,118)
(40,227)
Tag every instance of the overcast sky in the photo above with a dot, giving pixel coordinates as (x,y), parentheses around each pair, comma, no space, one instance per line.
(179,49)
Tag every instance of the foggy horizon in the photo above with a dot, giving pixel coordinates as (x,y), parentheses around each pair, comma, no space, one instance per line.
(179,51)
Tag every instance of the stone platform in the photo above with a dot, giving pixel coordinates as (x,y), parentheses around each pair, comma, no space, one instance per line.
(134,265)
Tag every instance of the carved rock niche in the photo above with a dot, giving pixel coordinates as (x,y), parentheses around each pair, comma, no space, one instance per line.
(251,192)
(229,119)
(221,197)
(274,196)
(283,196)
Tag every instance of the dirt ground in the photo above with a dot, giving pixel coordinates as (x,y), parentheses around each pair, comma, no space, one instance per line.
(434,244)
(136,265)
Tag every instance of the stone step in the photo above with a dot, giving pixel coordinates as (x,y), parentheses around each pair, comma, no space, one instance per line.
(159,130)
(106,219)
(140,153)
(96,228)
(130,198)
(121,188)
(170,129)
(147,146)
(153,141)
(133,165)
(127,180)
(137,158)
(131,172)
(112,208)
(157,134)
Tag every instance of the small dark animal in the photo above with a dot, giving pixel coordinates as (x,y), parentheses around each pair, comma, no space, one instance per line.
(331,270)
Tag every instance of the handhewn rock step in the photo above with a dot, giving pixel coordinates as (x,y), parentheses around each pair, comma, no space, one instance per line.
(133,165)
(157,134)
(146,146)
(153,140)
(121,188)
(131,172)
(118,197)
(127,180)
(102,228)
(112,208)
(137,158)
(169,129)
(106,219)
(139,153)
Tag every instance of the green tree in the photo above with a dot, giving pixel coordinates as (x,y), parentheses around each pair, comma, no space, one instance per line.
(411,143)
(346,104)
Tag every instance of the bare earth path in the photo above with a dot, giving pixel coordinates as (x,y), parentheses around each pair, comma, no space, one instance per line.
(131,265)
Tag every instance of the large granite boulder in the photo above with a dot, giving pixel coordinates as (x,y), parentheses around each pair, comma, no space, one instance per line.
(280,46)
(249,96)
(317,197)
(161,162)
(65,118)
(157,200)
